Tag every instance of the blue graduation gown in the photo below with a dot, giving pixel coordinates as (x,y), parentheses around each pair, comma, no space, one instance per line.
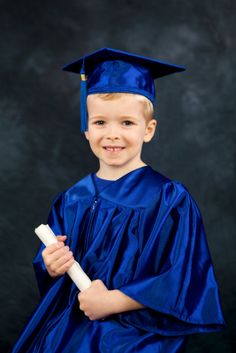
(142,234)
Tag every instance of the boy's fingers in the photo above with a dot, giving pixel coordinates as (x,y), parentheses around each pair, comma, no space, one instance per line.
(61,237)
(50,249)
(58,254)
(62,260)
(53,247)
(66,266)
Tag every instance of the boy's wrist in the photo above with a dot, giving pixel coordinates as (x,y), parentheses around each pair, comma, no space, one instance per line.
(120,302)
(115,301)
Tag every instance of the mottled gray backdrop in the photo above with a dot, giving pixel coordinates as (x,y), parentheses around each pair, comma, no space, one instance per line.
(42,151)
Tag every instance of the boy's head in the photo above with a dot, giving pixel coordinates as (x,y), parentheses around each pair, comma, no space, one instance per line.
(114,71)
(118,125)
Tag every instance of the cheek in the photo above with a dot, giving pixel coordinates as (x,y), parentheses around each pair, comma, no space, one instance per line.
(92,135)
(136,137)
(94,147)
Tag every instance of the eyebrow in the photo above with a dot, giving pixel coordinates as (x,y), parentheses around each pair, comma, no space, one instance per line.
(128,117)
(97,117)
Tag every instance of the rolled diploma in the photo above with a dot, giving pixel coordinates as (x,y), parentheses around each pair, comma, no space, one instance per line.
(78,276)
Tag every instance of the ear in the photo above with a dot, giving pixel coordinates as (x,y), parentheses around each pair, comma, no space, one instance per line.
(86,134)
(150,130)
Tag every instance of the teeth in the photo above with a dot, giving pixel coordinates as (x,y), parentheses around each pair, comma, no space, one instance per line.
(113,149)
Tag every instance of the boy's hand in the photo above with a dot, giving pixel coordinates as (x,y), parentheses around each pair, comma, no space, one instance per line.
(95,301)
(57,257)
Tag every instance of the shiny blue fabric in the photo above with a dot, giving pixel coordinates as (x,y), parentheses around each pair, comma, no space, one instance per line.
(120,76)
(142,234)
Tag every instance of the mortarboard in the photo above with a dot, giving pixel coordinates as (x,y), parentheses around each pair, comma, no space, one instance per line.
(109,70)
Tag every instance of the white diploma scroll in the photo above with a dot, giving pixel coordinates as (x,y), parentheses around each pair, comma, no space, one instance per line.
(78,276)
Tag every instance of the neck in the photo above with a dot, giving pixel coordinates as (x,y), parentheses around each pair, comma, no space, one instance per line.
(113,173)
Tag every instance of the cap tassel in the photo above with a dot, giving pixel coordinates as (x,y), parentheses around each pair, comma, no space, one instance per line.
(83,101)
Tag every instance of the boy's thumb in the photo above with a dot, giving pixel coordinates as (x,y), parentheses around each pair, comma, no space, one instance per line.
(60,237)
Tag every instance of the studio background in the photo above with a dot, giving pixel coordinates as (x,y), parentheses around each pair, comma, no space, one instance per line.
(42,151)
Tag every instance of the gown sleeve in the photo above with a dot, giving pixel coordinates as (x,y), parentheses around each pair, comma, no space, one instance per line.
(55,221)
(175,279)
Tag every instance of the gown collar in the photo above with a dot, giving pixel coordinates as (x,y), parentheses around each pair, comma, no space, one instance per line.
(133,189)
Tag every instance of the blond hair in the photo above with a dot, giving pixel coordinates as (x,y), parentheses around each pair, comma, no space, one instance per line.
(147,104)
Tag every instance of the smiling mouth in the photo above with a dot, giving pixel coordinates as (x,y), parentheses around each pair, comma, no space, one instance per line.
(113,149)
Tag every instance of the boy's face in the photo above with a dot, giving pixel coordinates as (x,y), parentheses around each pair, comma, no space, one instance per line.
(116,131)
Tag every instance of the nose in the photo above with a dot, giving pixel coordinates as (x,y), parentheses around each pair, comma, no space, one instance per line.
(113,133)
(112,138)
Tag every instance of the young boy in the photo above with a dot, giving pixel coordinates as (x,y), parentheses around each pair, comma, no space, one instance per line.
(137,234)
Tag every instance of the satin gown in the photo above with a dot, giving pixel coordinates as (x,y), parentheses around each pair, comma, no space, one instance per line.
(142,234)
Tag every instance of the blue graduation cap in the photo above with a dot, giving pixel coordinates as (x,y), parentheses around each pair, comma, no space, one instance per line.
(109,70)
